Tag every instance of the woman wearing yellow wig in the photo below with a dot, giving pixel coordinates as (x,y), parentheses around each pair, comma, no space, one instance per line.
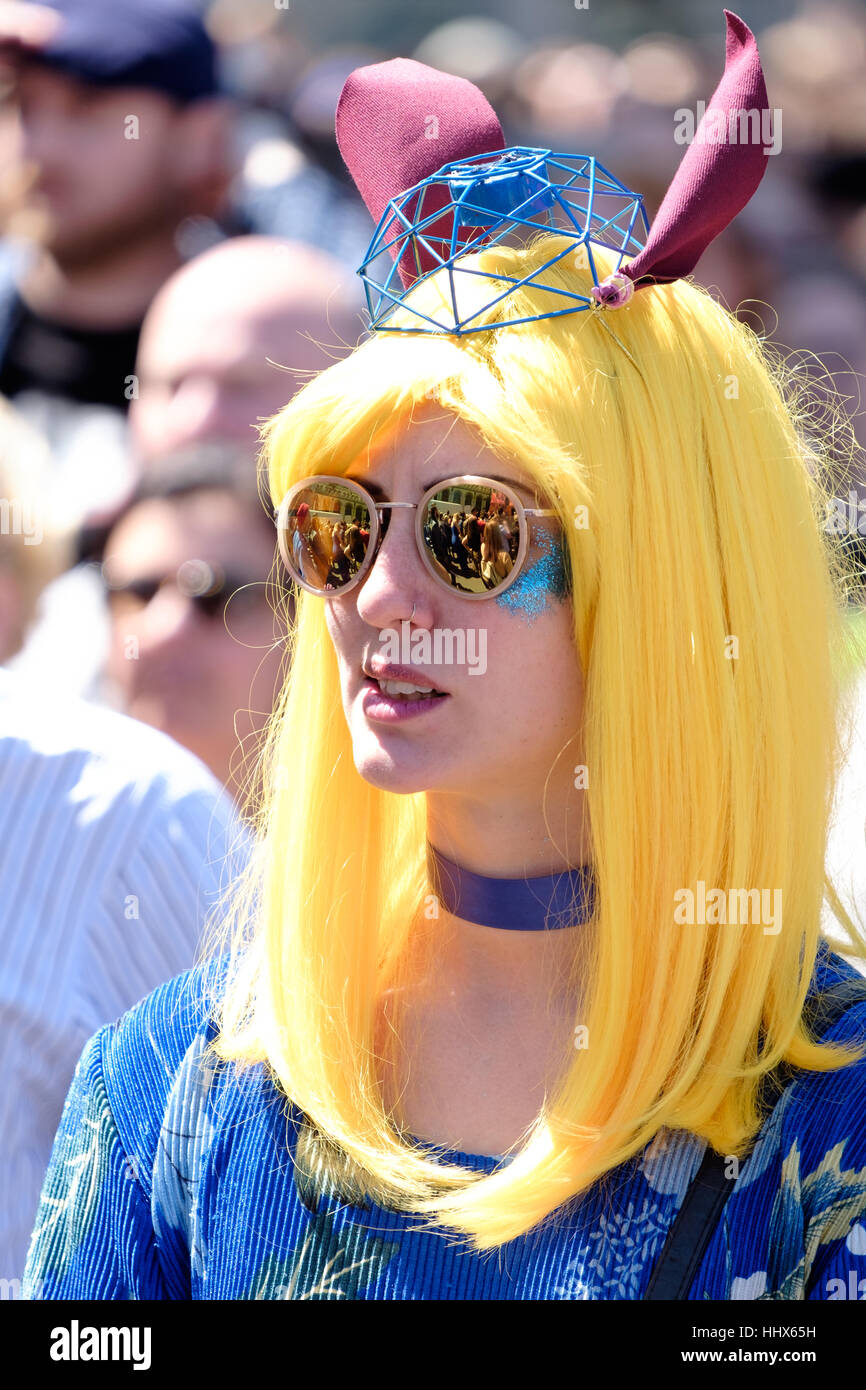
(532,935)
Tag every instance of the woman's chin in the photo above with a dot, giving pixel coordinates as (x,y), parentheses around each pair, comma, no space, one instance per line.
(393,771)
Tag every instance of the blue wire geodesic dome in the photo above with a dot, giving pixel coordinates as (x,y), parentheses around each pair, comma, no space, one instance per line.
(470,204)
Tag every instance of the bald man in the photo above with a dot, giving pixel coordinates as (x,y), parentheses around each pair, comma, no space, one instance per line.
(220,334)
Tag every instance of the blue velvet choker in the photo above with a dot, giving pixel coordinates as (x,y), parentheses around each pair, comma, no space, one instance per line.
(518,904)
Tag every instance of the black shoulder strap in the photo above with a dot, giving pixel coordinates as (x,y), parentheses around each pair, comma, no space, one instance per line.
(702,1205)
(690,1233)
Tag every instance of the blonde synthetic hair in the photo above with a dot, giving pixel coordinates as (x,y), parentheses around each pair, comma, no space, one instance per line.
(690,483)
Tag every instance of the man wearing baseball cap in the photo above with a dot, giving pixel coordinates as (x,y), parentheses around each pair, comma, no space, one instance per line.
(114,133)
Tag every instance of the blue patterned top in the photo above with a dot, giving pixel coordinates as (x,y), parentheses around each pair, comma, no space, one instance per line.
(172,1177)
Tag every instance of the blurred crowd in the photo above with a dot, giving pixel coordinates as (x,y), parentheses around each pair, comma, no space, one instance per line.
(179,248)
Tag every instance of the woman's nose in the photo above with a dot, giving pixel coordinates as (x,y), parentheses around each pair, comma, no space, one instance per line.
(397,580)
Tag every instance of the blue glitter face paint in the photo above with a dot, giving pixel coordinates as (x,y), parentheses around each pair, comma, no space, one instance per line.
(545,577)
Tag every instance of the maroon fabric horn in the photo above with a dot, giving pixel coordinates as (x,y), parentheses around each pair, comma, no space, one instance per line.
(714,180)
(400,121)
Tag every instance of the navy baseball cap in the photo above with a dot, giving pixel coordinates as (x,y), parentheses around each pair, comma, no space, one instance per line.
(160,44)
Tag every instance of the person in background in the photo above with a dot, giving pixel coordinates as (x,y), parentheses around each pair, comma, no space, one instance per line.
(194,649)
(34,548)
(214,350)
(114,846)
(114,133)
(232,336)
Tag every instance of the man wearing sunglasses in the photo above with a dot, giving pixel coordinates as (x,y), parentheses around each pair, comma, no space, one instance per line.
(192,629)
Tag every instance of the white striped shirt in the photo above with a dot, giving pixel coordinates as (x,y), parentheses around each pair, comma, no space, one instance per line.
(113,847)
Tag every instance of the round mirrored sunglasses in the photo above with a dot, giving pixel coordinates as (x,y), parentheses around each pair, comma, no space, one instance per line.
(472,533)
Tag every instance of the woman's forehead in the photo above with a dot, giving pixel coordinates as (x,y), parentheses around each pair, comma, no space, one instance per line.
(433,445)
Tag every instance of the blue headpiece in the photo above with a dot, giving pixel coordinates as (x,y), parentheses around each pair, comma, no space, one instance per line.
(496,197)
(396,121)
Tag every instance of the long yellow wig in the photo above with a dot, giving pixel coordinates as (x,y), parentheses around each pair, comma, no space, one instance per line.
(691,488)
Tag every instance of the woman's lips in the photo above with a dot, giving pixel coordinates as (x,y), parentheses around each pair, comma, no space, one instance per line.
(392,709)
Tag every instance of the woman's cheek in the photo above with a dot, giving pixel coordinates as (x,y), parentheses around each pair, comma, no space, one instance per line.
(541,583)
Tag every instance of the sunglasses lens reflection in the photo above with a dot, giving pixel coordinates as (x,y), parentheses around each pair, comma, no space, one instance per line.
(472,535)
(325,533)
